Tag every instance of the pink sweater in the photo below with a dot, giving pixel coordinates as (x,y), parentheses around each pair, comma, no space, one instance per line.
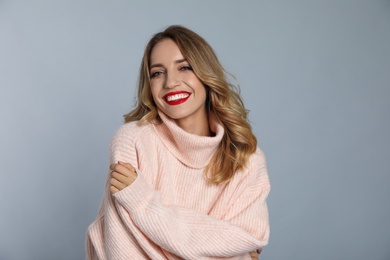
(170,211)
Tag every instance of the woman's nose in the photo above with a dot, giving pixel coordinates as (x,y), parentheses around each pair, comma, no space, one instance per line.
(171,81)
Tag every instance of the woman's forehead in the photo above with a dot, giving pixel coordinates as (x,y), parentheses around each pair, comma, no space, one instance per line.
(165,52)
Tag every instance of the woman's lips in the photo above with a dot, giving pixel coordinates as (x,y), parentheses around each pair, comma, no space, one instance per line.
(176,98)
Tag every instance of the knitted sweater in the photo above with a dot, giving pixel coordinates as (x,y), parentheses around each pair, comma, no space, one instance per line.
(170,211)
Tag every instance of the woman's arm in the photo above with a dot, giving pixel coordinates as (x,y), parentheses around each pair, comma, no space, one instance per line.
(185,232)
(191,234)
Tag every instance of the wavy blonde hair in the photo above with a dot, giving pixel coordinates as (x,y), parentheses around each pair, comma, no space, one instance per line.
(223,99)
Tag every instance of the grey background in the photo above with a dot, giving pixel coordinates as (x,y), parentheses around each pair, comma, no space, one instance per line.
(315,74)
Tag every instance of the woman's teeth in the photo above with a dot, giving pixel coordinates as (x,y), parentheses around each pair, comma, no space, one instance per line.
(177,97)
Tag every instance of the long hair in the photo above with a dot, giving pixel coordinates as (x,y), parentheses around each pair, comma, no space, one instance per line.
(223,100)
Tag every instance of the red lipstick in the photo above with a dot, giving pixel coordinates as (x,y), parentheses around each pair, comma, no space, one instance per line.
(176,98)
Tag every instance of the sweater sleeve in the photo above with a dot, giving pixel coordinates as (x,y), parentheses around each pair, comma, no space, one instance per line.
(113,235)
(194,235)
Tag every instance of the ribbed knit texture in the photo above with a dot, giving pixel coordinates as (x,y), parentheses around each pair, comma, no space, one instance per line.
(170,211)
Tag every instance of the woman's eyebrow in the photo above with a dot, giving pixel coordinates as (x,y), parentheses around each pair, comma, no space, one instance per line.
(156,65)
(180,61)
(160,65)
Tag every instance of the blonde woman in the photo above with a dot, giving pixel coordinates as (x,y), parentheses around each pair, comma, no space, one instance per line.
(186,179)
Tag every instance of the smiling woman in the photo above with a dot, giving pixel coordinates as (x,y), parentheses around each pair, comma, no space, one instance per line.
(173,83)
(186,177)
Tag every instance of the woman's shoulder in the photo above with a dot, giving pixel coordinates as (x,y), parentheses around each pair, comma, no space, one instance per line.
(125,140)
(257,159)
(257,166)
(254,176)
(131,132)
(132,129)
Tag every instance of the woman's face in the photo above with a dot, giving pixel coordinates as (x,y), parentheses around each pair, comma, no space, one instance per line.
(176,90)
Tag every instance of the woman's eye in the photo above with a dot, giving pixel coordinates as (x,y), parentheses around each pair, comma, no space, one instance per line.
(186,67)
(155,74)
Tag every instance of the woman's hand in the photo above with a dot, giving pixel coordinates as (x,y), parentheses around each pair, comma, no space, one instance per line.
(254,255)
(122,175)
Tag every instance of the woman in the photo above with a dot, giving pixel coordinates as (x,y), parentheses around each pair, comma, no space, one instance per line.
(186,177)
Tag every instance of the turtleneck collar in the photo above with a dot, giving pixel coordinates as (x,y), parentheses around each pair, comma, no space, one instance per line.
(192,150)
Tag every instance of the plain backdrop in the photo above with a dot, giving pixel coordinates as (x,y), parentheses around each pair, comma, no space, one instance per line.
(315,75)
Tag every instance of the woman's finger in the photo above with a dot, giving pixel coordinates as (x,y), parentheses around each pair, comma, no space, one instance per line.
(113,189)
(117,184)
(127,165)
(112,166)
(122,169)
(120,177)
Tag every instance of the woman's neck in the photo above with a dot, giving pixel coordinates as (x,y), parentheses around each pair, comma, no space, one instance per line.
(198,126)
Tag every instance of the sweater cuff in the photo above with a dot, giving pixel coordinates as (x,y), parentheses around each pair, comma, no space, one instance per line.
(134,196)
